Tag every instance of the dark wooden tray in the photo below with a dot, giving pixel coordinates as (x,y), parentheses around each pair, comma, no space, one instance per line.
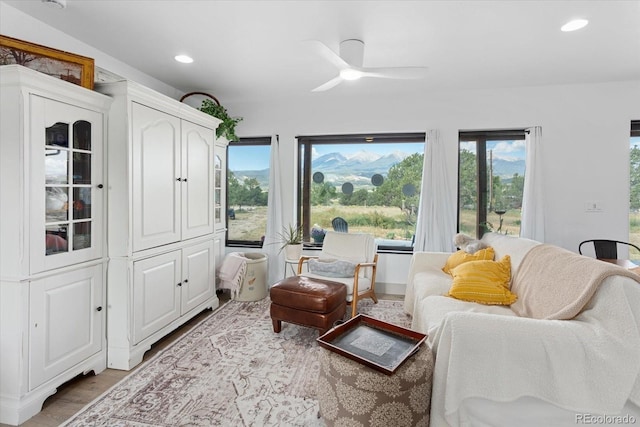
(372,342)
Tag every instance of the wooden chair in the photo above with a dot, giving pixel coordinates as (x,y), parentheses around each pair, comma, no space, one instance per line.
(358,249)
(606,249)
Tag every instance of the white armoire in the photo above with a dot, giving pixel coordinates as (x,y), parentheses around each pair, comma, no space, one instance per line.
(52,245)
(161,218)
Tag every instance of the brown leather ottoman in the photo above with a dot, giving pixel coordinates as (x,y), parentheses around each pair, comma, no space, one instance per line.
(308,302)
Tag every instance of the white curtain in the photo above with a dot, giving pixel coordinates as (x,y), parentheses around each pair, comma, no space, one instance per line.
(532,222)
(436,223)
(274,215)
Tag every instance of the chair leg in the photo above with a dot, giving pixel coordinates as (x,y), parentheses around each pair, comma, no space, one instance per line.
(354,306)
(374,297)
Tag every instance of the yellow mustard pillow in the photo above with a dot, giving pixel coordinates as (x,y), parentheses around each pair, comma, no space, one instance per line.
(485,282)
(460,257)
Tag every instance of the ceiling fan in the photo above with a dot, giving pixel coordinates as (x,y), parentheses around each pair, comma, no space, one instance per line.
(349,62)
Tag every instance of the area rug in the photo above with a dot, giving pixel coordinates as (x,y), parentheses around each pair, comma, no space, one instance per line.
(229,370)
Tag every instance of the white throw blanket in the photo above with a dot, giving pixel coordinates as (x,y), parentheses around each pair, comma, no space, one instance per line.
(232,271)
(588,364)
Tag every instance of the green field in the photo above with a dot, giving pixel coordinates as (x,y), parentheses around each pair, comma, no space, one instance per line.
(382,222)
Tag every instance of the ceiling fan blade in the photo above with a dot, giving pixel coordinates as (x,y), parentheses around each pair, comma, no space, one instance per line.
(324,51)
(404,73)
(328,85)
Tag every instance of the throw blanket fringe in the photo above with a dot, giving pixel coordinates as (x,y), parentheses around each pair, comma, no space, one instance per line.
(232,272)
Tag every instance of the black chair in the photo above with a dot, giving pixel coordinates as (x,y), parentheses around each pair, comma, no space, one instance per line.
(606,249)
(340,225)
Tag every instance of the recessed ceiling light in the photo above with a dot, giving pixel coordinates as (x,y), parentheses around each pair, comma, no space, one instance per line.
(184,59)
(576,24)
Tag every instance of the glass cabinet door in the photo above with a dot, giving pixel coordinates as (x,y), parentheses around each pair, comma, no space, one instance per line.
(66,162)
(67,166)
(217,188)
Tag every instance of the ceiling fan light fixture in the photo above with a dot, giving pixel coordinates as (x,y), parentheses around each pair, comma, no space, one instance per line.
(185,59)
(350,74)
(573,25)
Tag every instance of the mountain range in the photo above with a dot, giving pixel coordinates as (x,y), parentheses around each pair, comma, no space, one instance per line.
(359,167)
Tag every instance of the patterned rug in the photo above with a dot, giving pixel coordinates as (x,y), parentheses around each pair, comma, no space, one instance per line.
(230,370)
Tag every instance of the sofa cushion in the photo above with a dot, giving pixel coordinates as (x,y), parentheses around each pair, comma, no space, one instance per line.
(484,282)
(430,312)
(461,257)
(515,247)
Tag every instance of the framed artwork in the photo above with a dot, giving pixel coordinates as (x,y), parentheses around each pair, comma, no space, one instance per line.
(57,63)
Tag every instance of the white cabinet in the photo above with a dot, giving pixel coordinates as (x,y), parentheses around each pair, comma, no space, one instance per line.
(52,251)
(198,270)
(172,178)
(156,293)
(160,217)
(156,177)
(170,285)
(66,320)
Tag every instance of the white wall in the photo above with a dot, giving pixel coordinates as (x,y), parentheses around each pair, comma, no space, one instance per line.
(15,23)
(585,134)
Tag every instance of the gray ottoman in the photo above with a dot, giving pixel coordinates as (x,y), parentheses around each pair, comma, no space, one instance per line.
(351,394)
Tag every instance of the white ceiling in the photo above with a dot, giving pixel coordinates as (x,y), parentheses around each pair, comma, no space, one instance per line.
(255,50)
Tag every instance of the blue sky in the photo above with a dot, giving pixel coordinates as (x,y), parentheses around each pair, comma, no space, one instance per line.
(257,157)
(382,149)
(505,150)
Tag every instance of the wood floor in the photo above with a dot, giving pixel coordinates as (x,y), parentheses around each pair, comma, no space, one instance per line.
(75,394)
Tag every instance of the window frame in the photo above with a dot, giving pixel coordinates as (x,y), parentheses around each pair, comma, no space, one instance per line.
(305,144)
(246,141)
(480,137)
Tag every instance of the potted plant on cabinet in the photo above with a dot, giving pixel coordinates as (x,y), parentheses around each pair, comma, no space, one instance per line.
(291,240)
(227,128)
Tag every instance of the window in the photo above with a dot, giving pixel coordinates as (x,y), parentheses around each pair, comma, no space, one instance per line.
(634,185)
(490,181)
(372,182)
(247,191)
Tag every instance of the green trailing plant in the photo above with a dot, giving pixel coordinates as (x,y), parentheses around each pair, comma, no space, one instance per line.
(227,128)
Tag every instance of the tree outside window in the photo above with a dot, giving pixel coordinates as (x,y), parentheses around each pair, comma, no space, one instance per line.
(490,182)
(247,191)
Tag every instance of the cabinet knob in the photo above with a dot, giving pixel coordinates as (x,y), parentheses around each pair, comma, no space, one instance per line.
(186,281)
(100,186)
(178,179)
(184,179)
(99,308)
(179,284)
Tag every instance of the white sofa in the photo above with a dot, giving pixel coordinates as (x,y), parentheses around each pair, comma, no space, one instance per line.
(496,368)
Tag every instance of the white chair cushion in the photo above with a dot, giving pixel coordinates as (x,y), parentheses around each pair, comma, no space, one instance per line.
(363,282)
